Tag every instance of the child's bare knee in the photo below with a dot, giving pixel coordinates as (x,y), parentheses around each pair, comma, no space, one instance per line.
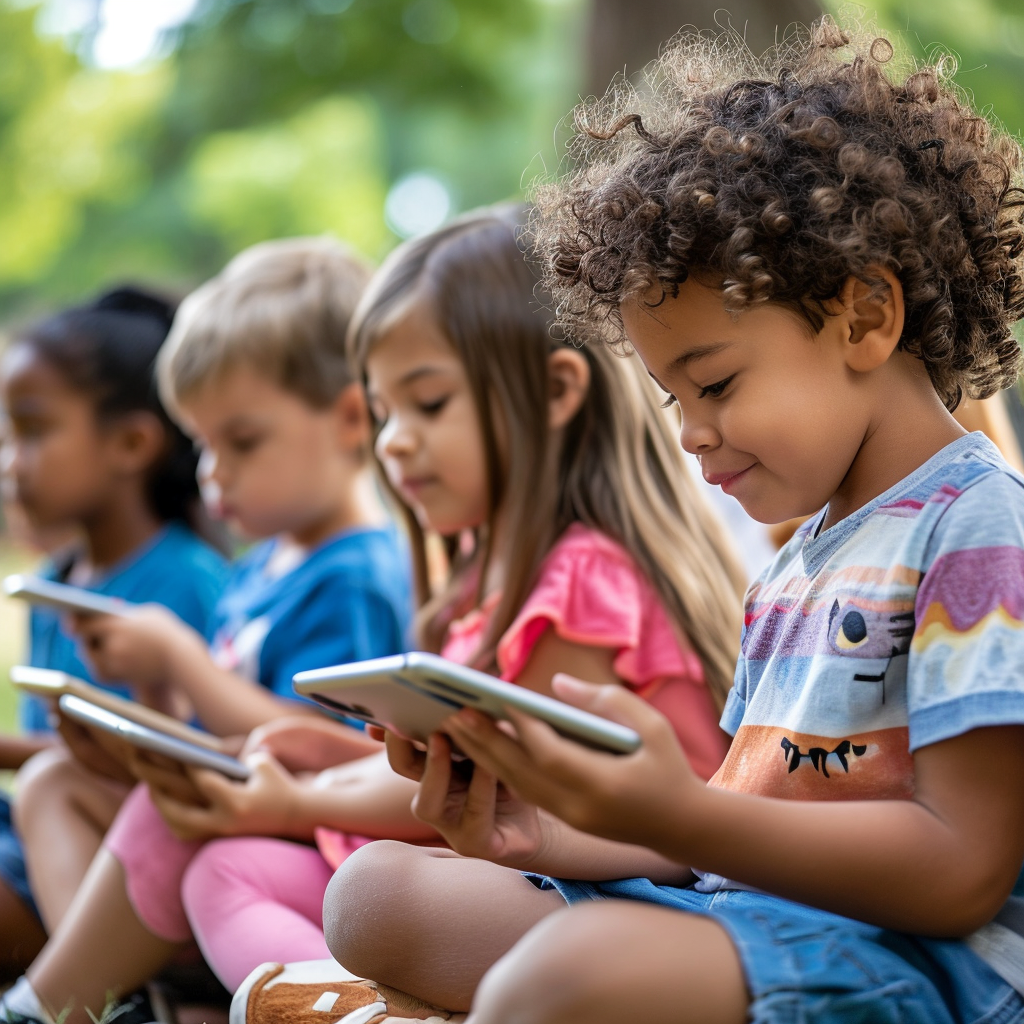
(363,917)
(42,775)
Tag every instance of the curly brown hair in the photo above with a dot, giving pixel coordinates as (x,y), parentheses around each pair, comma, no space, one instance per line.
(781,177)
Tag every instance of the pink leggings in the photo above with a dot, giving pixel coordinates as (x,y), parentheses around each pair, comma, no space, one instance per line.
(252,899)
(246,900)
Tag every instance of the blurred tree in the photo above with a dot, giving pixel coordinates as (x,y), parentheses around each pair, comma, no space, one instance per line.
(268,117)
(623,35)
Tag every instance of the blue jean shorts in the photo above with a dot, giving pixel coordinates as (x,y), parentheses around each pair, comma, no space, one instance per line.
(12,858)
(807,966)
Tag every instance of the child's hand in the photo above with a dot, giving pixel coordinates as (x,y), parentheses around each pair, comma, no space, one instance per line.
(134,648)
(476,814)
(89,753)
(303,743)
(263,805)
(635,798)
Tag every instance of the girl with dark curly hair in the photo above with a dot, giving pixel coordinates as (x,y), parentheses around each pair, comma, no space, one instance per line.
(817,258)
(88,449)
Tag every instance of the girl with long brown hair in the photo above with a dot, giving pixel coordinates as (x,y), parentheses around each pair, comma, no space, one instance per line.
(575,540)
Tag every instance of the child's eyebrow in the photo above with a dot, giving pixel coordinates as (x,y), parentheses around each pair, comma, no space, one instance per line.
(29,406)
(701,352)
(242,421)
(421,371)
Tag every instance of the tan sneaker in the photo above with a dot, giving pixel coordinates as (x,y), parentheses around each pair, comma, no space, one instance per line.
(323,992)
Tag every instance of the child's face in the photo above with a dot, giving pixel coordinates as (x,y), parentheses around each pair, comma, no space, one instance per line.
(56,457)
(270,462)
(430,441)
(771,410)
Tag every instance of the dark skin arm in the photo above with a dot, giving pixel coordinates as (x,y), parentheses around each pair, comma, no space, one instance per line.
(939,864)
(16,750)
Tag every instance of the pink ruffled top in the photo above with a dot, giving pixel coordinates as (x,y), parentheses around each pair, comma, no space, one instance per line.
(590,592)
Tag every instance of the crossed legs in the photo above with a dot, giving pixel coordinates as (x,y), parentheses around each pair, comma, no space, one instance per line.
(468,934)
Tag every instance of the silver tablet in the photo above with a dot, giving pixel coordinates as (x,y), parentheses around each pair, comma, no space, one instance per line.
(94,717)
(412,694)
(63,597)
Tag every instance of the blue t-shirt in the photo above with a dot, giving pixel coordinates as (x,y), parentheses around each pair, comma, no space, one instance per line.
(350,599)
(174,568)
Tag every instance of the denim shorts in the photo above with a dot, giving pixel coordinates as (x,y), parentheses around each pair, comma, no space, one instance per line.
(12,858)
(807,966)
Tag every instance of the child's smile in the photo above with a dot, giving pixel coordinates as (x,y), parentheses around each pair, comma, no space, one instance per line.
(772,411)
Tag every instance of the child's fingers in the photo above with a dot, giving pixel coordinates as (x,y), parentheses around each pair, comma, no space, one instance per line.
(186,821)
(403,757)
(431,800)
(488,745)
(539,766)
(215,788)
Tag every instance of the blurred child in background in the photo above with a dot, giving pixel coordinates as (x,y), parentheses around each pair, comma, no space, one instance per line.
(255,369)
(90,453)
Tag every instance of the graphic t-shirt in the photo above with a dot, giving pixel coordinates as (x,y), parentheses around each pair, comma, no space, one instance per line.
(350,599)
(899,627)
(174,568)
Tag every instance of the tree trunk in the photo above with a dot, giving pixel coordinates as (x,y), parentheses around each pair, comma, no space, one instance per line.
(623,35)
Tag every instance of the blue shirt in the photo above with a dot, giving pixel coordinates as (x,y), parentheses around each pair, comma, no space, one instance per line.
(350,599)
(174,568)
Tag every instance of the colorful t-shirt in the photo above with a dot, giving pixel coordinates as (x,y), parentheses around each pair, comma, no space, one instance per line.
(350,599)
(899,627)
(174,568)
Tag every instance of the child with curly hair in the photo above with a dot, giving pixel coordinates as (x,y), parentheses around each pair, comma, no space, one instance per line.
(818,259)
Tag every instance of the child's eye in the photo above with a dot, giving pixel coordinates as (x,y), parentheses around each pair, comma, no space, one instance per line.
(244,445)
(669,402)
(434,407)
(715,390)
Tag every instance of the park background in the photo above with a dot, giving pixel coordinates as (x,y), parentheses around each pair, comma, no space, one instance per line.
(150,140)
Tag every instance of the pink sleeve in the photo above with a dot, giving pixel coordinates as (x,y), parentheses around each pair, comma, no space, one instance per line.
(591,593)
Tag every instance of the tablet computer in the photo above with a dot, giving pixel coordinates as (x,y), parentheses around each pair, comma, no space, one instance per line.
(63,597)
(412,694)
(93,717)
(52,685)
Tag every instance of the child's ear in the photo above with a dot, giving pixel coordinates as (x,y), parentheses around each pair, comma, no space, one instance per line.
(139,439)
(352,418)
(568,384)
(873,318)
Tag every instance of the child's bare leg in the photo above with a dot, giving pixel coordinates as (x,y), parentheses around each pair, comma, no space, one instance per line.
(101,949)
(62,812)
(427,921)
(608,962)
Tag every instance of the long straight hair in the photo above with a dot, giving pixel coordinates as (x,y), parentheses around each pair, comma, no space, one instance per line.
(616,469)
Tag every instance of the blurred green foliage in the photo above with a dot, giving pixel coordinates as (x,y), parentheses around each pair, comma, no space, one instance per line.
(274,117)
(985,36)
(267,117)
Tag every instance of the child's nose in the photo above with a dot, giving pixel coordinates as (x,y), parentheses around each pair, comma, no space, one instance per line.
(698,435)
(210,468)
(395,439)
